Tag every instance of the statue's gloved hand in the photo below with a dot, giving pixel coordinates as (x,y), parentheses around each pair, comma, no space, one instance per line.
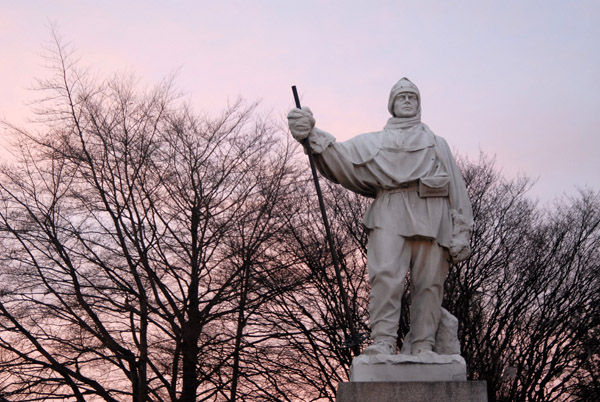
(459,251)
(460,247)
(301,122)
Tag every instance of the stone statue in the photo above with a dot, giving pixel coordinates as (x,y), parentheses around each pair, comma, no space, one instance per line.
(420,217)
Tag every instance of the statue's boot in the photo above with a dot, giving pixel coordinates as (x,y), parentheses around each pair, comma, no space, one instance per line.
(383,346)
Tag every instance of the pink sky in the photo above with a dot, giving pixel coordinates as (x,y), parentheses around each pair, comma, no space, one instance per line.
(516,79)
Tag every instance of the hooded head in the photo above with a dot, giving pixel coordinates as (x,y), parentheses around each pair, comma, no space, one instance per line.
(402,86)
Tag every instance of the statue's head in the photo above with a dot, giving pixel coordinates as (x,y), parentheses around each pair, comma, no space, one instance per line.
(405,99)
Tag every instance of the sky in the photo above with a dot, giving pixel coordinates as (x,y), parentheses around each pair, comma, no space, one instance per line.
(518,80)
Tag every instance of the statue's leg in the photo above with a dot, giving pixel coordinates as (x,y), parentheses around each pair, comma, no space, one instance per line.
(388,258)
(428,273)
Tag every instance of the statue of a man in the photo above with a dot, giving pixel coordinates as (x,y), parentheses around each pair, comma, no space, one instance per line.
(421,215)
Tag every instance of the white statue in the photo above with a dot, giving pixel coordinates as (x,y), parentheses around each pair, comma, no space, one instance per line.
(420,217)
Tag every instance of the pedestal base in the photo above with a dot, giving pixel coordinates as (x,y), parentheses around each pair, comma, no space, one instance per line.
(447,391)
(403,368)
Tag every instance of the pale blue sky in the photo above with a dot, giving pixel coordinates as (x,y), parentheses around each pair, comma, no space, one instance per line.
(518,79)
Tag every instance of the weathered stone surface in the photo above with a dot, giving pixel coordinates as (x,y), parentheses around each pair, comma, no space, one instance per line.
(403,368)
(455,391)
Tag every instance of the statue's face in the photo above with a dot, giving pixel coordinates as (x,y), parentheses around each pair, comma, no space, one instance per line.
(406,104)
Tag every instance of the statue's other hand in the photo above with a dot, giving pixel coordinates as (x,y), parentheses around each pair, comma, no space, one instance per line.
(459,250)
(301,122)
(460,246)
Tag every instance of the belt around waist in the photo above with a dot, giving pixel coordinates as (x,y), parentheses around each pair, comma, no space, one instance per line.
(406,187)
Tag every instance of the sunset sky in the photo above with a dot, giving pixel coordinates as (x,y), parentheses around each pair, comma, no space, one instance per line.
(516,79)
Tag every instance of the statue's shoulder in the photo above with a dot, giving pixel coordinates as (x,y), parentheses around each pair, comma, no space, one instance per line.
(360,149)
(367,136)
(440,141)
(366,139)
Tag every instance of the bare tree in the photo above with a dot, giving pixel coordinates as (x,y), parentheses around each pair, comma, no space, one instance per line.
(525,298)
(130,227)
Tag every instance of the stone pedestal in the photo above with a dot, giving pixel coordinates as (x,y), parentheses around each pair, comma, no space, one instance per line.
(430,391)
(403,368)
(427,377)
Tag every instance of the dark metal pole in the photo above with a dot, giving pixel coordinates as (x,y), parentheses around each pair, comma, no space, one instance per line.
(354,338)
